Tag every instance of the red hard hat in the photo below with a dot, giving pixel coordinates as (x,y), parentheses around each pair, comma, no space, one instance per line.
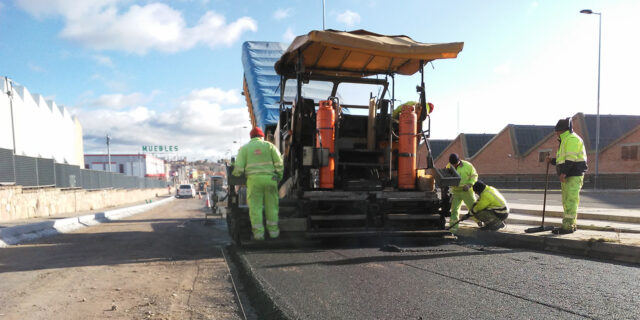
(256,132)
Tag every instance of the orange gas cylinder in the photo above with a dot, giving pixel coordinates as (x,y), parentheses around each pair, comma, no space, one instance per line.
(325,123)
(407,148)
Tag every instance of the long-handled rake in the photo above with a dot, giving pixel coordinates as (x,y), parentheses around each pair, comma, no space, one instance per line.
(542,227)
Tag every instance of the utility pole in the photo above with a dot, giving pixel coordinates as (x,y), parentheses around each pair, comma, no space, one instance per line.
(9,86)
(599,14)
(323,15)
(108,153)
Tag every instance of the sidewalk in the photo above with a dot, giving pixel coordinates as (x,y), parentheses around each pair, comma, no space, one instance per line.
(15,232)
(611,234)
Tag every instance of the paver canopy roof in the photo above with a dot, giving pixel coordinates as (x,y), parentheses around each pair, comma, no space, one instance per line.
(361,53)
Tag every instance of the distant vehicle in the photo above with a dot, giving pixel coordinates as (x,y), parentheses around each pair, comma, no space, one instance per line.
(186,190)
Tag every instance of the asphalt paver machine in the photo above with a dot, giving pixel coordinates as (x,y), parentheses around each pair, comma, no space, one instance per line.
(350,157)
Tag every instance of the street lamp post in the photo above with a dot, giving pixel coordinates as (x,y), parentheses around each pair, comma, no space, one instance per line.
(108,153)
(588,11)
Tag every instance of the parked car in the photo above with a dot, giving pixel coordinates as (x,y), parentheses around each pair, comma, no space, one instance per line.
(186,190)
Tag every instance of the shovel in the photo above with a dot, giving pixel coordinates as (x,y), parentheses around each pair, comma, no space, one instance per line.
(465,217)
(542,228)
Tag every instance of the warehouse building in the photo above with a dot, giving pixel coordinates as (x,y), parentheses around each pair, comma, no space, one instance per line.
(139,165)
(38,139)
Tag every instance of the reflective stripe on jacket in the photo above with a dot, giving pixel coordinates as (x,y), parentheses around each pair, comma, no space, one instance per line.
(467,172)
(571,158)
(491,199)
(258,157)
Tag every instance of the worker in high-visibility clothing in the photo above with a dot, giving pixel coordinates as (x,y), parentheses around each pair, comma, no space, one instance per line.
(571,164)
(491,209)
(463,191)
(261,162)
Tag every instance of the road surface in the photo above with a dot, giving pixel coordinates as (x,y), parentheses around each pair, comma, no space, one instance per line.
(161,264)
(443,280)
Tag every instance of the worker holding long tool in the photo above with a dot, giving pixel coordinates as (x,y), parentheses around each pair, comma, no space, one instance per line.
(571,164)
(463,191)
(261,162)
(491,209)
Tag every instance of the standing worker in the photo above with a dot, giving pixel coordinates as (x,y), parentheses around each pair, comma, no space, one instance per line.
(463,191)
(260,161)
(491,208)
(571,164)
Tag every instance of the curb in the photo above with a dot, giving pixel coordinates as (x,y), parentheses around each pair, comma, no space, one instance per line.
(590,249)
(581,215)
(264,302)
(18,234)
(581,225)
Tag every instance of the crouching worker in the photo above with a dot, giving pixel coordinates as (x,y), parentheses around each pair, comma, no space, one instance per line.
(491,208)
(261,162)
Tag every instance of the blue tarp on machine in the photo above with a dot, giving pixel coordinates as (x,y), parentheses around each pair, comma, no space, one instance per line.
(258,59)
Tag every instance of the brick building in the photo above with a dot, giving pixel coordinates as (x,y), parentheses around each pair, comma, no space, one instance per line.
(515,156)
(515,150)
(466,145)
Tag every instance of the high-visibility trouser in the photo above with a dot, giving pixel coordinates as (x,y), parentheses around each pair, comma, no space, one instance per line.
(456,203)
(492,217)
(570,200)
(262,193)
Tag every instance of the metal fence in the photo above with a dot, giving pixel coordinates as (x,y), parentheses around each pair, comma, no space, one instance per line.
(40,172)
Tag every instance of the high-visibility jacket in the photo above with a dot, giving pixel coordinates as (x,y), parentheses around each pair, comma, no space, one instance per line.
(491,199)
(258,157)
(468,175)
(571,158)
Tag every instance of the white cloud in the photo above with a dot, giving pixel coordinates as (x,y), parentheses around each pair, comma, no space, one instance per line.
(288,35)
(203,124)
(504,68)
(103,60)
(35,68)
(100,25)
(119,101)
(282,13)
(349,18)
(215,95)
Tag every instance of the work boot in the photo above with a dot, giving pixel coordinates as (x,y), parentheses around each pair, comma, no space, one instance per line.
(494,227)
(563,231)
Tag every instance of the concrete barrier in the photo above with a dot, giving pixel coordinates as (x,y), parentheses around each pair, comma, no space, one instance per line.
(17,203)
(27,232)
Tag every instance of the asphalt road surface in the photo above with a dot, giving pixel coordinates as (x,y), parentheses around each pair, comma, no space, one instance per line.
(443,280)
(626,199)
(161,264)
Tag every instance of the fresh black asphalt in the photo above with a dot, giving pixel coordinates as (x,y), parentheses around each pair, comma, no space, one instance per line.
(441,279)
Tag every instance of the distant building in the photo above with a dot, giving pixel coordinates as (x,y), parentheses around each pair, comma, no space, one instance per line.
(139,165)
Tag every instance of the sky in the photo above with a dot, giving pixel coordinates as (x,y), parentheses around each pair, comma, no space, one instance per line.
(159,72)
